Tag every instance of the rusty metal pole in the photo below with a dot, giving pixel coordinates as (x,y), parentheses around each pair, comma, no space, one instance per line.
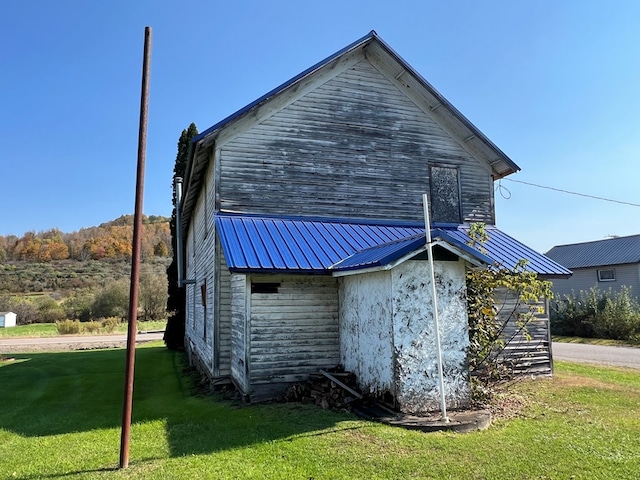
(127,404)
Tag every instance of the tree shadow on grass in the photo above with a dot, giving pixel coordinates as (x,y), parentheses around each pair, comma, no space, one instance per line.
(56,393)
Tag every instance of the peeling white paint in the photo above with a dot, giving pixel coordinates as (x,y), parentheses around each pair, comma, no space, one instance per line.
(414,336)
(388,334)
(366,341)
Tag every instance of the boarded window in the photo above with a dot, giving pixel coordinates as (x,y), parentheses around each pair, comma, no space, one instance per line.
(445,195)
(265,287)
(203,300)
(608,275)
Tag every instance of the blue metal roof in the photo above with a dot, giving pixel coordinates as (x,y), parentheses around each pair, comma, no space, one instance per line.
(295,244)
(381,255)
(611,251)
(255,243)
(506,251)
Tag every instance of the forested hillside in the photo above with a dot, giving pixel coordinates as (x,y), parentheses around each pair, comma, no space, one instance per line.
(111,240)
(51,275)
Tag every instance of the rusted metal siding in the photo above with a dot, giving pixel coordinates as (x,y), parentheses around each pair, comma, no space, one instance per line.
(294,332)
(388,334)
(347,148)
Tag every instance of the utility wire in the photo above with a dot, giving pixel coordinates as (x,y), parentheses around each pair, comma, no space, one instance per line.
(501,189)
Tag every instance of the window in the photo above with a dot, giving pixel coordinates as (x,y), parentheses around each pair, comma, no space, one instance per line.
(445,194)
(203,300)
(264,287)
(608,275)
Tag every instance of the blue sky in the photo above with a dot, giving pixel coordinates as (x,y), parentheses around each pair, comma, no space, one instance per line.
(556,85)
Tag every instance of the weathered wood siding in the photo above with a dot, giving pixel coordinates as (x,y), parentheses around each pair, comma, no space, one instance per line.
(294,332)
(355,146)
(190,318)
(528,348)
(223,314)
(587,278)
(201,302)
(239,333)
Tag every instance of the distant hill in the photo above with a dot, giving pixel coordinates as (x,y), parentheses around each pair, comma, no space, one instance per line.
(55,261)
(110,240)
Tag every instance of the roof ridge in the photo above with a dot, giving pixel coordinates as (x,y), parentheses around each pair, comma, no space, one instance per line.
(318,218)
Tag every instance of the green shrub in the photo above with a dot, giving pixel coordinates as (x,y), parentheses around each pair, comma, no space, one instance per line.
(110,324)
(112,300)
(596,313)
(78,305)
(91,327)
(50,311)
(68,327)
(619,318)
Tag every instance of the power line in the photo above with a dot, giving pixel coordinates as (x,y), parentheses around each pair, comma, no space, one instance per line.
(501,189)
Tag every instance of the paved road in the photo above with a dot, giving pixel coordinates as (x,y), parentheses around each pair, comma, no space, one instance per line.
(69,342)
(603,355)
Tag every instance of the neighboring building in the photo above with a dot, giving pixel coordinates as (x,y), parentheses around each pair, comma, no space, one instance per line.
(305,240)
(604,264)
(7,319)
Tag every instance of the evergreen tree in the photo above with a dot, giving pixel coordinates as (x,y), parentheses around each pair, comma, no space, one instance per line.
(174,333)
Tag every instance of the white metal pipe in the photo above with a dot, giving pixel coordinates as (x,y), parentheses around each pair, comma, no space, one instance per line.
(427,226)
(178,253)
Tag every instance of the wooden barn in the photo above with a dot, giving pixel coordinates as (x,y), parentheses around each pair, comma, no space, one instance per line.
(304,236)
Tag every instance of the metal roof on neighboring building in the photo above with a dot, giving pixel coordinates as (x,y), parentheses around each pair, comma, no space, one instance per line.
(256,243)
(611,251)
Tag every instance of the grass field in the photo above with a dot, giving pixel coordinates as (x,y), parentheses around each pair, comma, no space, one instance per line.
(49,329)
(595,341)
(60,418)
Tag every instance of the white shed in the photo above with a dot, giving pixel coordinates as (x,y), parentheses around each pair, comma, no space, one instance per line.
(7,319)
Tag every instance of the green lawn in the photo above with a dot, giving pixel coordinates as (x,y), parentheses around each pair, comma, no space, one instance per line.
(594,341)
(34,330)
(49,329)
(60,418)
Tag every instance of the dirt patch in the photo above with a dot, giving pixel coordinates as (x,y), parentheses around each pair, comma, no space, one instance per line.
(577,381)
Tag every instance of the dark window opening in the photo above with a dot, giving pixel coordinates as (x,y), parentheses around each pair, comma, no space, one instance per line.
(203,300)
(439,254)
(445,194)
(265,287)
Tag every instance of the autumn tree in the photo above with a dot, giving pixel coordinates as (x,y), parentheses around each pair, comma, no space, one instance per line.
(174,333)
